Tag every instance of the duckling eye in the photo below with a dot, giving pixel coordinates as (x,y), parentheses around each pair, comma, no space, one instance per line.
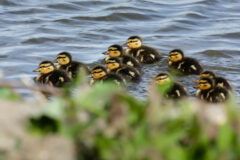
(173,55)
(61,57)
(96,72)
(112,50)
(132,41)
(111,63)
(45,66)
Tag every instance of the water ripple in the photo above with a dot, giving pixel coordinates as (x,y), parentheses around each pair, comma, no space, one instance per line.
(32,31)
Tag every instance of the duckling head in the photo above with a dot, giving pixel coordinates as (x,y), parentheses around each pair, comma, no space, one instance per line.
(98,72)
(205,83)
(113,63)
(64,58)
(45,67)
(176,55)
(134,42)
(209,74)
(114,51)
(162,78)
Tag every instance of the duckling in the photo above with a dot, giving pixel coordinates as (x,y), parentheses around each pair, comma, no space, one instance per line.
(209,92)
(129,73)
(175,90)
(100,74)
(183,64)
(219,81)
(66,63)
(50,75)
(117,51)
(145,54)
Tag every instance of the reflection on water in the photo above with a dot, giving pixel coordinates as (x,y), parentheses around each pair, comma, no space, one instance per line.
(32,31)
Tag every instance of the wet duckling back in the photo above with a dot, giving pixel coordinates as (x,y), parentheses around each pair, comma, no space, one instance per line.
(174,90)
(66,63)
(50,75)
(144,54)
(211,93)
(117,51)
(129,73)
(100,74)
(185,65)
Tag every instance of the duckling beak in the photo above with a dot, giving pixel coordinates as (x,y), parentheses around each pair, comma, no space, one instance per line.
(36,70)
(105,53)
(197,81)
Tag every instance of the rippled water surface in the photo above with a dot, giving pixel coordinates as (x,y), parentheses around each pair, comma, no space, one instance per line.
(32,31)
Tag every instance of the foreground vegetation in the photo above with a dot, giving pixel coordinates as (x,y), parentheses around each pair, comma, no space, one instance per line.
(105,123)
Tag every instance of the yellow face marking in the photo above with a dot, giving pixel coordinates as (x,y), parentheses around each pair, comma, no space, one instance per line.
(205,75)
(204,85)
(45,68)
(98,73)
(63,60)
(134,43)
(175,57)
(162,80)
(113,65)
(113,52)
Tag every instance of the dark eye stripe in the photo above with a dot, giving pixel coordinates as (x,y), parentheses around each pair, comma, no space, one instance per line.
(111,62)
(161,78)
(97,72)
(132,41)
(60,57)
(45,66)
(112,50)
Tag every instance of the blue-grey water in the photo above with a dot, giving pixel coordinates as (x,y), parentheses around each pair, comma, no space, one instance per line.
(33,30)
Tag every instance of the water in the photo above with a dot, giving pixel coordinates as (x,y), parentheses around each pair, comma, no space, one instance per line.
(32,31)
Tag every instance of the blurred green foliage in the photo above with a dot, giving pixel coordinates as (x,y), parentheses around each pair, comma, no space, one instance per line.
(107,123)
(7,93)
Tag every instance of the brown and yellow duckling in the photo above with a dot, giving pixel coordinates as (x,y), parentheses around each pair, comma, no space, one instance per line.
(100,74)
(174,90)
(144,54)
(129,73)
(185,65)
(66,63)
(50,75)
(208,92)
(117,51)
(219,81)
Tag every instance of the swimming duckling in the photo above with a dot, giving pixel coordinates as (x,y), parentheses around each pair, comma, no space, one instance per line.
(183,64)
(129,73)
(209,92)
(99,74)
(145,54)
(219,81)
(174,90)
(50,75)
(66,63)
(117,51)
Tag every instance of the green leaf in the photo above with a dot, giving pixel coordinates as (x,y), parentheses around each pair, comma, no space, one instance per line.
(7,93)
(224,139)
